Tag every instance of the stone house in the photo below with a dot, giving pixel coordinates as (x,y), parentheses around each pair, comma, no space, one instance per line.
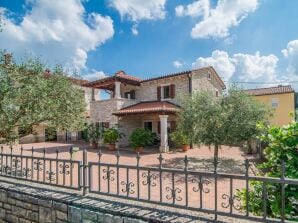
(151,103)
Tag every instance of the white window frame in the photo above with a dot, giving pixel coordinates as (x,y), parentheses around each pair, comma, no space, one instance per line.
(162,91)
(129,94)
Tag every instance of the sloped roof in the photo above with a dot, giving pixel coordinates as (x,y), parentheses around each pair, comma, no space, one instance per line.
(270,90)
(118,76)
(123,77)
(200,70)
(148,107)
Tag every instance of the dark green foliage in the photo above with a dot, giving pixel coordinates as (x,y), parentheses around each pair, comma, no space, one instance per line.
(229,119)
(179,138)
(282,145)
(141,137)
(112,135)
(28,97)
(94,132)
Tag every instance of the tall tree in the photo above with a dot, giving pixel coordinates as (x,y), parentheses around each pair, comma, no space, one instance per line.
(30,95)
(216,121)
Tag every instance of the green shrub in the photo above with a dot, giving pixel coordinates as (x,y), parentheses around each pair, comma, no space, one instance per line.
(93,133)
(112,135)
(282,146)
(140,138)
(179,138)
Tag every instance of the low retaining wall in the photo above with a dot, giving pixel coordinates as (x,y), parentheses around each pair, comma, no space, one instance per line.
(29,203)
(20,203)
(17,206)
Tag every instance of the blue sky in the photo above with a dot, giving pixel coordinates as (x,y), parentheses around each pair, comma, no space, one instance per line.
(252,41)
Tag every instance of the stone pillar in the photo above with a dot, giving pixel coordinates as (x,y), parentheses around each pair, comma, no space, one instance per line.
(164,147)
(117,90)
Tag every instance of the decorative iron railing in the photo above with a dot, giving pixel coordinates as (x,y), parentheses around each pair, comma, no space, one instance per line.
(212,192)
(37,167)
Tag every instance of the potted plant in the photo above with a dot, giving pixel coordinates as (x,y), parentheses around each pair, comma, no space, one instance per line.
(94,134)
(181,140)
(140,138)
(111,136)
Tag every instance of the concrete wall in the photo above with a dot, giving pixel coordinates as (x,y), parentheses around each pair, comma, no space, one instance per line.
(286,106)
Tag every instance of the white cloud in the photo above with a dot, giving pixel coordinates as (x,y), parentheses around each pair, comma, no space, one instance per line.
(217,22)
(291,54)
(134,30)
(195,9)
(136,10)
(178,64)
(241,67)
(60,32)
(94,75)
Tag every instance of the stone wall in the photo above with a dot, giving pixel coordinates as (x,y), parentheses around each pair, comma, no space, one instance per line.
(200,81)
(37,136)
(20,207)
(148,90)
(101,111)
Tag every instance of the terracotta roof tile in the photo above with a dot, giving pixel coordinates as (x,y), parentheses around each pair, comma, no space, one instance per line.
(270,90)
(123,75)
(149,107)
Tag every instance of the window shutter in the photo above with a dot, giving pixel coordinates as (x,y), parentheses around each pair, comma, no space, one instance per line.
(158,127)
(173,126)
(159,93)
(172,90)
(132,94)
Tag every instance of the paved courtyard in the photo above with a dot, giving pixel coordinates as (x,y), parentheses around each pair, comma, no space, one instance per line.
(168,187)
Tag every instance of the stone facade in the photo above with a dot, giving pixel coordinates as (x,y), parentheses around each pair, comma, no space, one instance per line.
(19,207)
(196,80)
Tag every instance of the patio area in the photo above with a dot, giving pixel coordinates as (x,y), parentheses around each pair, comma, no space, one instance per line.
(122,176)
(200,158)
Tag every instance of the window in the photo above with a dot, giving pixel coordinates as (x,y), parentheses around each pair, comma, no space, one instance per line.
(148,126)
(209,76)
(104,125)
(166,92)
(274,102)
(127,95)
(216,93)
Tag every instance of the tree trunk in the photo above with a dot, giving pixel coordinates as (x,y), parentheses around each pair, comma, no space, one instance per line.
(249,147)
(216,152)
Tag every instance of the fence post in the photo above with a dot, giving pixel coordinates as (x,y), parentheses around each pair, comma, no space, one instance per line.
(283,174)
(85,171)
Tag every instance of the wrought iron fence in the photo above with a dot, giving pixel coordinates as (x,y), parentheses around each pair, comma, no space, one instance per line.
(211,192)
(37,167)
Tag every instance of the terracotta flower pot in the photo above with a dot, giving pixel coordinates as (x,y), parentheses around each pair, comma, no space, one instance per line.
(94,145)
(112,147)
(139,149)
(185,148)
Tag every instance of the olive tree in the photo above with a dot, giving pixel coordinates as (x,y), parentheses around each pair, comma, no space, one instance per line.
(228,119)
(28,98)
